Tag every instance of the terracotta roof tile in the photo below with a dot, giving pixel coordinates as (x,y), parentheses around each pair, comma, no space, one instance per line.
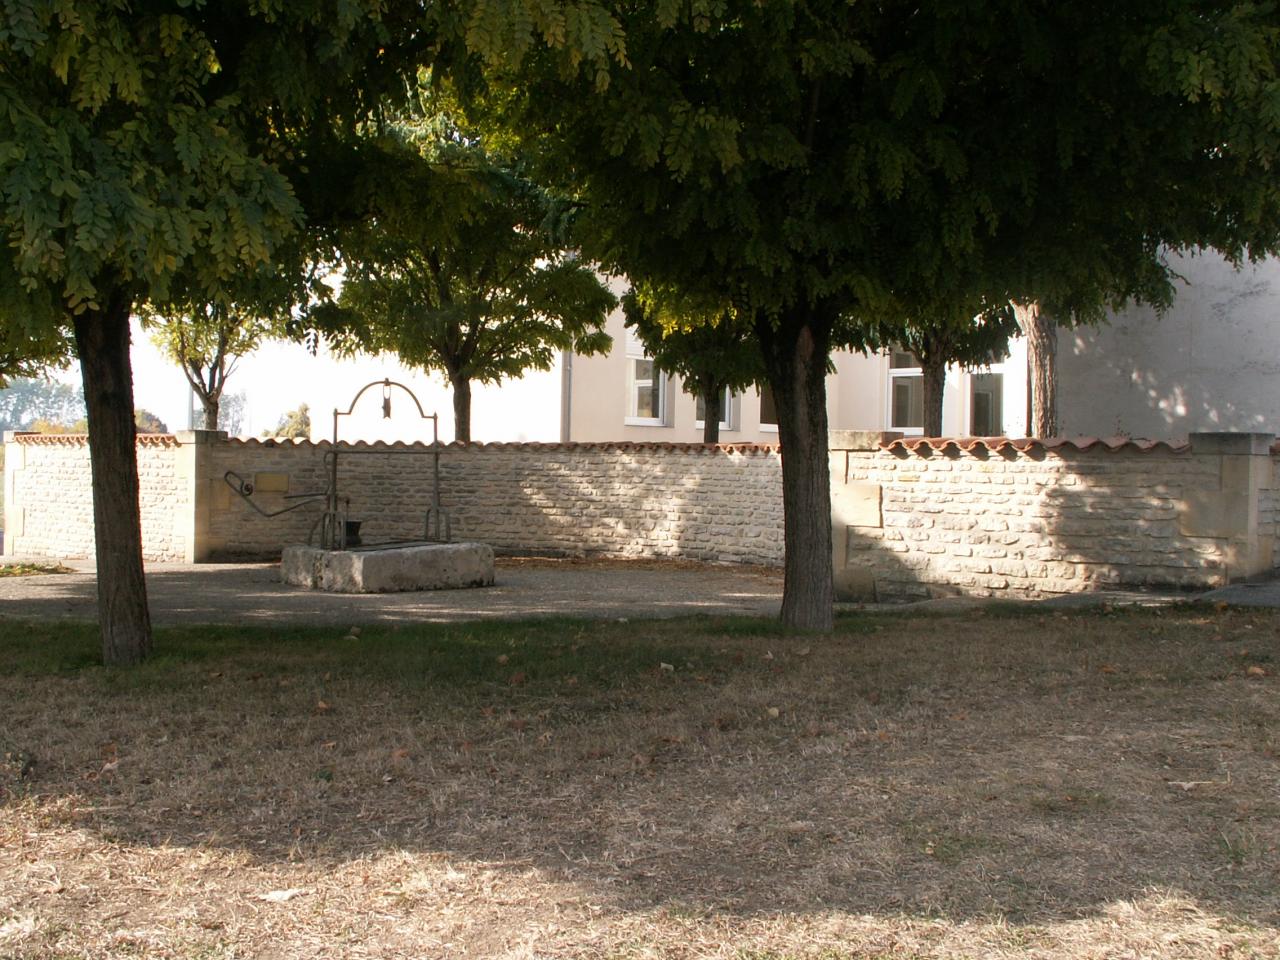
(997,444)
(82,439)
(640,447)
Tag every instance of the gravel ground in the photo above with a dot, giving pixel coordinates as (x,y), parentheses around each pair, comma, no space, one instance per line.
(251,593)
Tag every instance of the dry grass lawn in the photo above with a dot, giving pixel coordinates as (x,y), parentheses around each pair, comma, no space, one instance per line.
(983,784)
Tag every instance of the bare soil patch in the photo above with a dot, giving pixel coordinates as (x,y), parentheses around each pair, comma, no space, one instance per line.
(977,784)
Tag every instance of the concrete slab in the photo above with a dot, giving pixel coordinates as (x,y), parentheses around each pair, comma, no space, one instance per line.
(389,569)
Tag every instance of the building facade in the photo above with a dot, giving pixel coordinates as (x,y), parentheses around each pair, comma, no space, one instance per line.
(1209,363)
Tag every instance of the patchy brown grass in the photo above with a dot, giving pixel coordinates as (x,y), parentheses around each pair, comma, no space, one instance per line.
(982,784)
(31,569)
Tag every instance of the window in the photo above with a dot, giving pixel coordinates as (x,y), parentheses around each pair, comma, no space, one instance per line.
(768,411)
(906,392)
(727,418)
(647,393)
(646,387)
(986,413)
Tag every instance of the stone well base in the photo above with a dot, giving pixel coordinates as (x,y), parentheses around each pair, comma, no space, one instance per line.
(391,569)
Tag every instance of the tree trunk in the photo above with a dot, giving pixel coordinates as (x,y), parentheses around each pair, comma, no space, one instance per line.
(712,400)
(102,343)
(461,409)
(935,381)
(1042,359)
(795,359)
(211,407)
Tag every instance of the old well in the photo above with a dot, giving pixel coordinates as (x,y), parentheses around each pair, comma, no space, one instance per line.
(336,559)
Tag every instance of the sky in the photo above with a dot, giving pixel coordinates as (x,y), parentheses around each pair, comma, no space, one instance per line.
(278,377)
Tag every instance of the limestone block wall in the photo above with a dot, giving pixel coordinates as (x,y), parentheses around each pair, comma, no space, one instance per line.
(1026,518)
(721,504)
(989,517)
(49,498)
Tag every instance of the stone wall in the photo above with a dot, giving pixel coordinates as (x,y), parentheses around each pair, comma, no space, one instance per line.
(49,500)
(1029,518)
(630,500)
(990,517)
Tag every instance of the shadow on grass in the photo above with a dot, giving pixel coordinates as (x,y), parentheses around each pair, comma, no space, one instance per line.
(1031,767)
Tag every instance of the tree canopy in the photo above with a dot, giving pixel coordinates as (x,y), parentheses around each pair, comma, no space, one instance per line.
(152,152)
(813,164)
(466,275)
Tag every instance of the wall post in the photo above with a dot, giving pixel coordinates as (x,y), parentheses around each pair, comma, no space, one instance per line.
(192,468)
(854,503)
(1231,510)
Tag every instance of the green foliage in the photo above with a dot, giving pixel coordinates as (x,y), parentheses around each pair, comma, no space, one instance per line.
(206,340)
(707,345)
(294,425)
(58,427)
(459,269)
(148,422)
(967,334)
(122,163)
(826,155)
(824,163)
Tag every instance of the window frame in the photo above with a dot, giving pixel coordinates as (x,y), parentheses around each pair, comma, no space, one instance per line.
(729,412)
(632,417)
(767,427)
(997,393)
(903,373)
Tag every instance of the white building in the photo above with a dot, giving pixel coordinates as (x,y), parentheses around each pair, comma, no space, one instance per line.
(1210,363)
(619,396)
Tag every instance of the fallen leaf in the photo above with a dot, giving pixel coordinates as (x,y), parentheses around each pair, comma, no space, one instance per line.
(1256,671)
(281,896)
(1107,668)
(322,707)
(517,678)
(804,651)
(399,754)
(354,631)
(667,667)
(329,744)
(773,713)
(503,658)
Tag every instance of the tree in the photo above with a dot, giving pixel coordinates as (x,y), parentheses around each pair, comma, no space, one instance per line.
(707,345)
(231,412)
(294,425)
(969,336)
(206,341)
(805,161)
(147,422)
(479,290)
(25,401)
(148,152)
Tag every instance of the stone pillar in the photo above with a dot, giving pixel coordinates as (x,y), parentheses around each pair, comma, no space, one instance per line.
(1231,510)
(14,461)
(192,469)
(854,503)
